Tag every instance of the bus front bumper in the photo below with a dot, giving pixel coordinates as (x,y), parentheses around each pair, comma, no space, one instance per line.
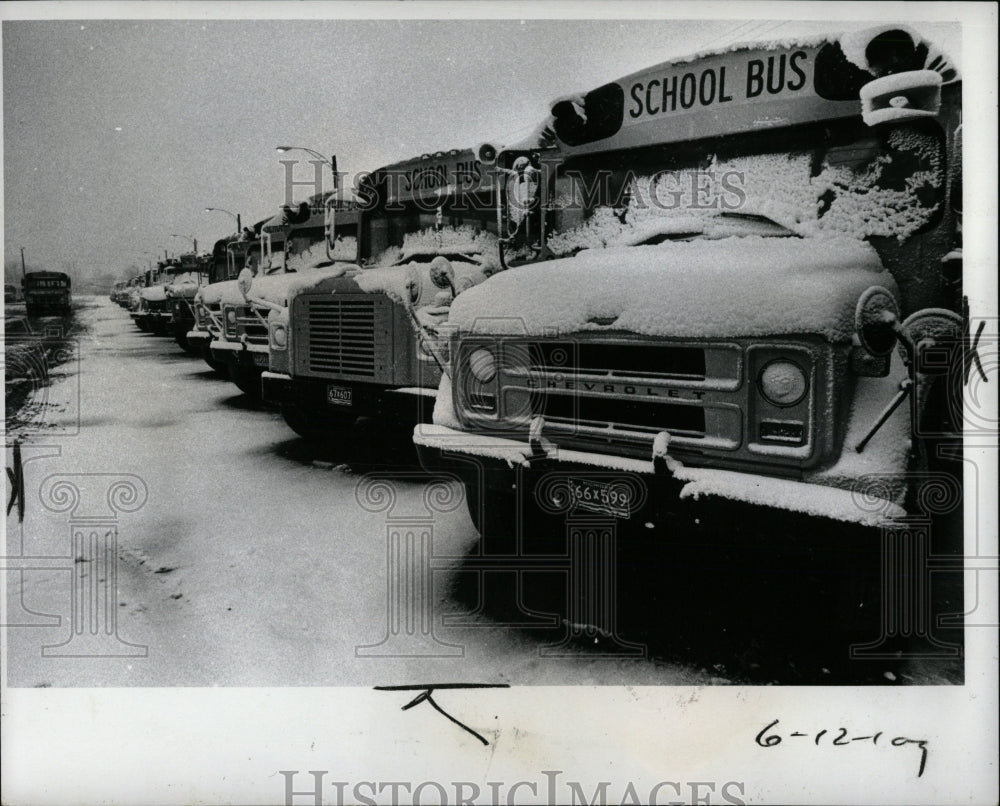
(660,491)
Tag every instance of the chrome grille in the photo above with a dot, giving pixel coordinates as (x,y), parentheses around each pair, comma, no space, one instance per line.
(619,392)
(252,324)
(341,332)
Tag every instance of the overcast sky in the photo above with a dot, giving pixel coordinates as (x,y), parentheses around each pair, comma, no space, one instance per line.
(119,133)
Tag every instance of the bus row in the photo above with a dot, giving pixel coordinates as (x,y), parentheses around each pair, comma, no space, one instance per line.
(652,311)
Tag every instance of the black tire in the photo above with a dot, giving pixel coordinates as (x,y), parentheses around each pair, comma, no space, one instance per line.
(218,367)
(183,343)
(315,428)
(247,379)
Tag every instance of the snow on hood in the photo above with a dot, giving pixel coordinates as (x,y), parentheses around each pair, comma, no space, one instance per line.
(277,288)
(184,285)
(750,286)
(219,292)
(153,293)
(412,281)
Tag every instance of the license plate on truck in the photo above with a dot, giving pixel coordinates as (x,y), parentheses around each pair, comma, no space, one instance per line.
(339,395)
(596,496)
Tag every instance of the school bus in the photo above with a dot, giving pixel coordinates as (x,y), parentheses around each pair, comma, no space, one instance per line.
(749,308)
(47,293)
(364,341)
(229,256)
(291,253)
(180,287)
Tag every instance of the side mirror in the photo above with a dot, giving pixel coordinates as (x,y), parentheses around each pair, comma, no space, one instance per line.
(244,281)
(876,319)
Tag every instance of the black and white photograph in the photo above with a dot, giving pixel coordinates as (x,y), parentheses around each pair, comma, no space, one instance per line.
(475,403)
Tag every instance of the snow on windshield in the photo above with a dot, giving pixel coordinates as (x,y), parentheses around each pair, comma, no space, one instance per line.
(859,191)
(465,239)
(184,277)
(306,255)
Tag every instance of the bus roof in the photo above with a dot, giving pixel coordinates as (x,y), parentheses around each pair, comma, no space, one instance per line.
(743,88)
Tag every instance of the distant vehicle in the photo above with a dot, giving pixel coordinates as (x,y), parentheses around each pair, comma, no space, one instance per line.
(119,292)
(229,255)
(181,288)
(11,293)
(47,293)
(178,277)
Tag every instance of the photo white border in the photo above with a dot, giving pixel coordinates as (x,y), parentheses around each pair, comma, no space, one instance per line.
(196,745)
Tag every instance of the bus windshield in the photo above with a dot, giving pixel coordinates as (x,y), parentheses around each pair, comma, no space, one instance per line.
(859,184)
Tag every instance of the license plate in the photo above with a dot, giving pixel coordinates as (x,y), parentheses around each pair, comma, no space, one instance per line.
(609,498)
(339,395)
(260,360)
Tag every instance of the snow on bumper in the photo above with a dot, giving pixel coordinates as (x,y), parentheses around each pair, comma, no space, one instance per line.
(812,500)
(239,347)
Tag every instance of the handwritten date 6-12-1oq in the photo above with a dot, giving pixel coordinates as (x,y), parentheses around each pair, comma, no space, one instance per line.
(839,737)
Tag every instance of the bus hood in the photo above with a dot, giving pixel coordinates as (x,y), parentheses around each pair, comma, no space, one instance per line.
(277,288)
(153,293)
(184,289)
(725,288)
(410,282)
(219,292)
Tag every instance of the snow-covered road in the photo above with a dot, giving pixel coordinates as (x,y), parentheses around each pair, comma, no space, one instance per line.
(257,561)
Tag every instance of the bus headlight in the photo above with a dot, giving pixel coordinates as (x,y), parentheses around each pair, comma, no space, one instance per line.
(279,336)
(783,383)
(231,315)
(483,365)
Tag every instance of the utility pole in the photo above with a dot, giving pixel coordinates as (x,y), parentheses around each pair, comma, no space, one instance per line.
(23,270)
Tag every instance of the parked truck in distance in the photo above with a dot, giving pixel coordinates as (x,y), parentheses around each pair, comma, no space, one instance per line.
(47,293)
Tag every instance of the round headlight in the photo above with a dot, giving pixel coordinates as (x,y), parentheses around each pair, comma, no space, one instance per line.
(279,336)
(231,315)
(783,383)
(483,365)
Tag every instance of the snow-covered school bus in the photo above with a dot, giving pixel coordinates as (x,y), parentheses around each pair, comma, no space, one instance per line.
(365,342)
(291,253)
(734,289)
(193,271)
(222,268)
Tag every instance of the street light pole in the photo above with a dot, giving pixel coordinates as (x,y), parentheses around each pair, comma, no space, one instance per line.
(24,271)
(239,226)
(332,162)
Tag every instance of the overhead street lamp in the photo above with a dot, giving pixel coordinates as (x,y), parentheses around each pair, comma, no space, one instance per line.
(332,162)
(239,226)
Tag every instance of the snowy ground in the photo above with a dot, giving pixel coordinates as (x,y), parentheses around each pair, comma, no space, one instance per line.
(253,562)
